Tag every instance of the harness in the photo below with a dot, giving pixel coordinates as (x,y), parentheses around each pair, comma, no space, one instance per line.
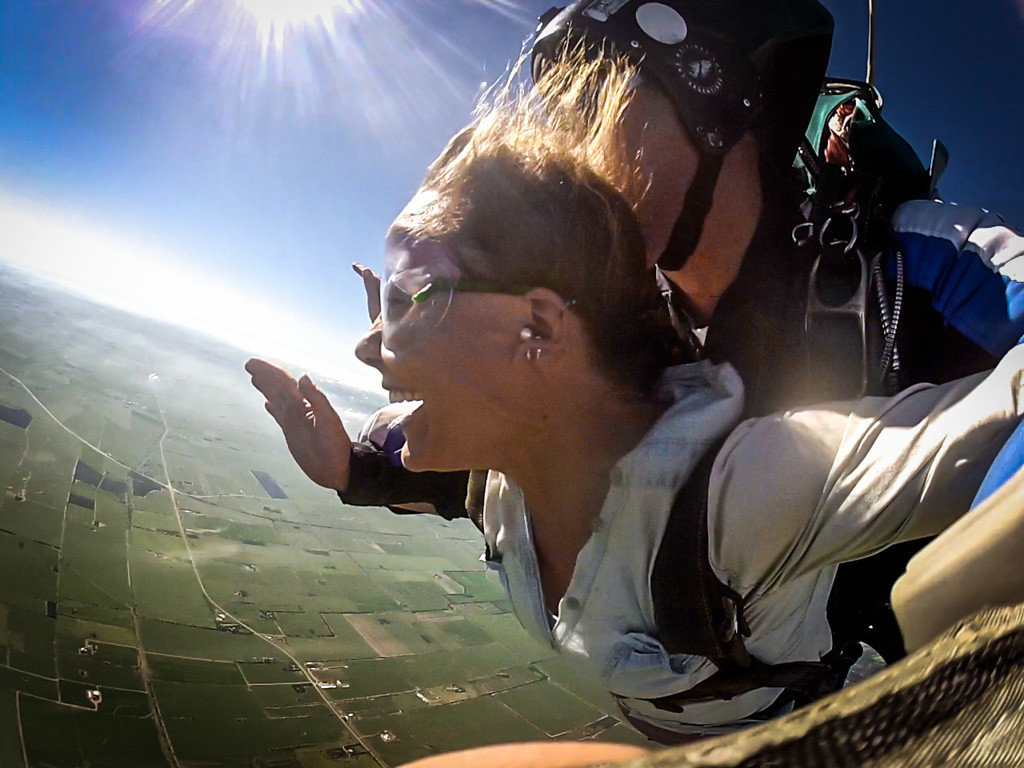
(696,614)
(858,170)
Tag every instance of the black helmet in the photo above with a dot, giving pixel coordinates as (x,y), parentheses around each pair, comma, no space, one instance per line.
(723,63)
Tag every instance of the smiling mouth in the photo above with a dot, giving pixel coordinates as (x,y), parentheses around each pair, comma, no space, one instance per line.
(404,396)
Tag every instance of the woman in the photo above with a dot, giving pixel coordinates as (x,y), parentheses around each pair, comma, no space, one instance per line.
(518,310)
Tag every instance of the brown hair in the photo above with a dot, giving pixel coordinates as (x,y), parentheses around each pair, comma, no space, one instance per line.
(537,192)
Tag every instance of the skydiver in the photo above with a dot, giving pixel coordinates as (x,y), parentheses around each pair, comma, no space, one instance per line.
(518,307)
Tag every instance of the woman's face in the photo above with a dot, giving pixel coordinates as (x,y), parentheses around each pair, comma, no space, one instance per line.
(461,371)
(452,350)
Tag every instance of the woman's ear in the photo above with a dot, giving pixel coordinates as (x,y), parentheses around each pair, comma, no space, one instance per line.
(544,331)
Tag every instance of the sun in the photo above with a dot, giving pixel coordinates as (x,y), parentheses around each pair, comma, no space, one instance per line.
(278,14)
(376,67)
(274,17)
(271,20)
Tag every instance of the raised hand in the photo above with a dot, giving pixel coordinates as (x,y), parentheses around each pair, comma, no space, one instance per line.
(312,428)
(371,284)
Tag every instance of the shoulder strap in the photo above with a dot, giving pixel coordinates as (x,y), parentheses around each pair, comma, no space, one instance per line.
(802,681)
(698,615)
(695,613)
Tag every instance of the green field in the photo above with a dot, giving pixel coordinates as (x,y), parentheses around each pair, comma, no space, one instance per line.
(159,608)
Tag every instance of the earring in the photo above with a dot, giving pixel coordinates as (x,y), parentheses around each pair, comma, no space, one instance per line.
(527,334)
(533,354)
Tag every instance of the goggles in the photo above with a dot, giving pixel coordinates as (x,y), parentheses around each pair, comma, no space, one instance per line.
(419,282)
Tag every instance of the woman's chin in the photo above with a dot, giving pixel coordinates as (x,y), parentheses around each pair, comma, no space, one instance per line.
(421,459)
(428,448)
(417,454)
(425,456)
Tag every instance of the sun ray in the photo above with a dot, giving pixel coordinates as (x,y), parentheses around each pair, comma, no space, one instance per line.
(381,70)
(296,12)
(273,17)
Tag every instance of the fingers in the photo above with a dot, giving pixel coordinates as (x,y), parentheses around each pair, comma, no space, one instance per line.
(267,371)
(289,408)
(254,363)
(256,367)
(292,416)
(273,411)
(327,422)
(371,284)
(276,384)
(318,401)
(267,377)
(284,401)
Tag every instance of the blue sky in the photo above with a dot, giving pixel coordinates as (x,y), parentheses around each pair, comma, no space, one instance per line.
(183,155)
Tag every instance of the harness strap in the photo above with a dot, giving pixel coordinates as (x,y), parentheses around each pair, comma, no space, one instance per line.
(810,679)
(476,490)
(696,614)
(690,224)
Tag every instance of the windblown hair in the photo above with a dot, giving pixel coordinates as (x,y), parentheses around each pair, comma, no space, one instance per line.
(537,192)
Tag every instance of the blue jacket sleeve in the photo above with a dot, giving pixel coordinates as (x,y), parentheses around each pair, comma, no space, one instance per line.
(972,265)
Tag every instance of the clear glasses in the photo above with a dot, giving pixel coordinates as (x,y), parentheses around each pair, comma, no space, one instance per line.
(414,298)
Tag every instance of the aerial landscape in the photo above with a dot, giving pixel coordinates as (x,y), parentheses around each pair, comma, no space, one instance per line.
(174,592)
(185,184)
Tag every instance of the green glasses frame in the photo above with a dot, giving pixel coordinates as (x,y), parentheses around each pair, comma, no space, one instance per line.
(467,286)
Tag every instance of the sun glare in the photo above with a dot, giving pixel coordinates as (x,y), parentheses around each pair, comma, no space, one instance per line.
(273,17)
(276,13)
(384,70)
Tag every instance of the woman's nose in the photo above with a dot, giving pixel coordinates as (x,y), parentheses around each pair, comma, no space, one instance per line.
(368,347)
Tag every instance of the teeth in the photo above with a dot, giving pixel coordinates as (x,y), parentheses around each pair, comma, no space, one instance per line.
(398,396)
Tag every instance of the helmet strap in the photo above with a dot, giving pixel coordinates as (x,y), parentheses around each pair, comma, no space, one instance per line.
(690,224)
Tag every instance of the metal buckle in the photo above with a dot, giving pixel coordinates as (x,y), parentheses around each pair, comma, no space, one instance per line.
(803,233)
(849,214)
(846,213)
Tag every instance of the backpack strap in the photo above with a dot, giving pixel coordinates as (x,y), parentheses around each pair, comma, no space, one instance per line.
(696,614)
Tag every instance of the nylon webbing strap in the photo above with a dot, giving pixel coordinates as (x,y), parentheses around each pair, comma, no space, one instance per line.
(476,490)
(807,678)
(690,224)
(698,615)
(695,613)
